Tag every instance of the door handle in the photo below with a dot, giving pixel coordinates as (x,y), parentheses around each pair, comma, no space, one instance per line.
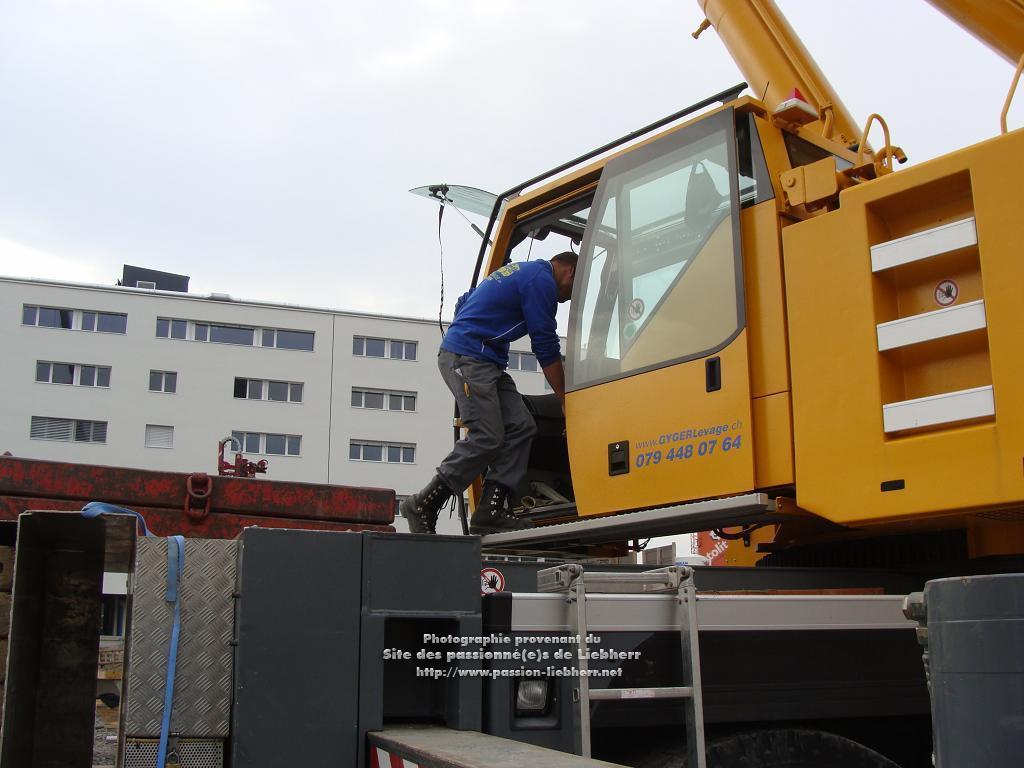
(713,374)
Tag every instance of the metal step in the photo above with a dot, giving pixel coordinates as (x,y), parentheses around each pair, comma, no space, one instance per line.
(664,521)
(433,746)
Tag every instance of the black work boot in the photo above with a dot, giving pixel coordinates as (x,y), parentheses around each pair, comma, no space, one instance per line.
(491,515)
(421,508)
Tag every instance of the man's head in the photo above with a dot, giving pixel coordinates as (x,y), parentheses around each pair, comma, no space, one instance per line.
(563,266)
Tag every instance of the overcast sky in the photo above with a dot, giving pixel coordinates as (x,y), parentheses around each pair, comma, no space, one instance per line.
(265,147)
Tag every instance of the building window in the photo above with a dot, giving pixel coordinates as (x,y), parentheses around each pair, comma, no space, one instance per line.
(55,373)
(232,334)
(104,322)
(282,339)
(71,430)
(272,444)
(383,400)
(249,442)
(159,436)
(94,375)
(48,317)
(74,319)
(163,381)
(149,284)
(392,453)
(365,346)
(48,372)
(264,389)
(402,350)
(522,361)
(239,335)
(171,328)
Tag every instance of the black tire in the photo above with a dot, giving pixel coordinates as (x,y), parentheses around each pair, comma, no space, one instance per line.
(792,748)
(780,748)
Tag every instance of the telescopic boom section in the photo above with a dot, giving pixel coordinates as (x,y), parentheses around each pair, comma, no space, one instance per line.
(774,61)
(997,23)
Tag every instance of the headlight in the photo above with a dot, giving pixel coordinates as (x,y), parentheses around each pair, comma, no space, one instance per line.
(531,697)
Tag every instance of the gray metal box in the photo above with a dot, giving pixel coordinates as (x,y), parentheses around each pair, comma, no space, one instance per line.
(297,661)
(202,687)
(316,610)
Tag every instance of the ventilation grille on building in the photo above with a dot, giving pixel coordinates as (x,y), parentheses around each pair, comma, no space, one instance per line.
(191,753)
(159,436)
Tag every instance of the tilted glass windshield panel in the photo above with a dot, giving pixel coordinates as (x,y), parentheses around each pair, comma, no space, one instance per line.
(659,279)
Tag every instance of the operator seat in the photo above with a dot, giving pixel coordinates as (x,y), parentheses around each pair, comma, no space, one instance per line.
(702,199)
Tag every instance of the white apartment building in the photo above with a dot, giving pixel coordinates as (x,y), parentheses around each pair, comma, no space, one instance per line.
(136,377)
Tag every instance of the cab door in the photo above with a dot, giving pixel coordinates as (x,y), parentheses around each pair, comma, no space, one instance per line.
(658,404)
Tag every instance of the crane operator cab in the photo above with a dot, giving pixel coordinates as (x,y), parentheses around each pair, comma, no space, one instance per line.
(657,350)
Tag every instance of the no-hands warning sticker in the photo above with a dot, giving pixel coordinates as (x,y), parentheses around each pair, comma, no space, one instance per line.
(491,580)
(946,293)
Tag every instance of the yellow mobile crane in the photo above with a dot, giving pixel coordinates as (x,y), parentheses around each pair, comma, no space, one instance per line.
(770,328)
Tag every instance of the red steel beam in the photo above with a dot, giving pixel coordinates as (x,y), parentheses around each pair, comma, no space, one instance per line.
(163,521)
(33,484)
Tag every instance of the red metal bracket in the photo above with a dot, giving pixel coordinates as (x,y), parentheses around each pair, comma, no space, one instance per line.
(198,490)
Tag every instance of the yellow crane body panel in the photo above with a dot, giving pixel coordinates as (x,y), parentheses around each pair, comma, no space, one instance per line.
(906,339)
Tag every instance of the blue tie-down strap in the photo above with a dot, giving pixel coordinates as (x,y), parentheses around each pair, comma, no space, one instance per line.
(97,508)
(175,572)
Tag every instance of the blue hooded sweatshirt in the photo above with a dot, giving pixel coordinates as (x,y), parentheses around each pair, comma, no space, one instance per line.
(512,301)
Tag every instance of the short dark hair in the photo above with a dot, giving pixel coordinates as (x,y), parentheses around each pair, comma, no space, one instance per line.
(566,257)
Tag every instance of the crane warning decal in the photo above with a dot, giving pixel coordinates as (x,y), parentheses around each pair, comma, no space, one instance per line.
(946,293)
(491,580)
(636,309)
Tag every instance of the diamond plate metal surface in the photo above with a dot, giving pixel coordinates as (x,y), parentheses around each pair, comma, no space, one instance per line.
(203,683)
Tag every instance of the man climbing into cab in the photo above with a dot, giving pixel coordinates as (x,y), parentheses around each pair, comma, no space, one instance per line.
(515,300)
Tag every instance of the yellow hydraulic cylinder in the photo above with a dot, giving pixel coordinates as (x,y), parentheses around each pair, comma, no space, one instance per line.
(997,23)
(774,61)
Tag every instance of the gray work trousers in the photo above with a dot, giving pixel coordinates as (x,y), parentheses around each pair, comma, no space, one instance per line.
(500,427)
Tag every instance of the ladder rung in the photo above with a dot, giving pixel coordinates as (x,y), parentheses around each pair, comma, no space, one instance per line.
(946,408)
(928,326)
(922,245)
(659,581)
(618,694)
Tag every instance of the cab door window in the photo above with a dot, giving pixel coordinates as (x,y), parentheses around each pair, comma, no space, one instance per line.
(659,280)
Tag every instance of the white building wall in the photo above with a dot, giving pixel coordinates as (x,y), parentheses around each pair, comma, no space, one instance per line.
(204,409)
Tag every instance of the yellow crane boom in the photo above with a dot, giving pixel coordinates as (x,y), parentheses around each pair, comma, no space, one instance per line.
(774,61)
(997,23)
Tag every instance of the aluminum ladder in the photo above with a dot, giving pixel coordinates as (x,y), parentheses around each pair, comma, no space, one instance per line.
(578,585)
